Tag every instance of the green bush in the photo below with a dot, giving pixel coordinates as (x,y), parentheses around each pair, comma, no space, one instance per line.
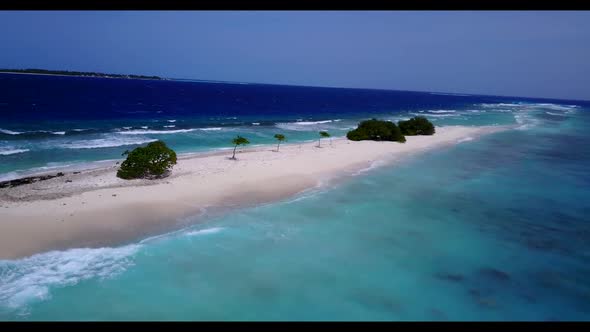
(417,125)
(376,130)
(152,161)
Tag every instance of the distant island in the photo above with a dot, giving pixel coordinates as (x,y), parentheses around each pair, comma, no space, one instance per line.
(76,73)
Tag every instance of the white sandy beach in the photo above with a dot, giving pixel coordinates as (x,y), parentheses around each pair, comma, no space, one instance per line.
(94,208)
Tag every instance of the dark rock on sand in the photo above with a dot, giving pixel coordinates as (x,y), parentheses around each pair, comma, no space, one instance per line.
(28,180)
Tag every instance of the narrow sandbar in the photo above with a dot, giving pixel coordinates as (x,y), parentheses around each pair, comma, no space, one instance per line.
(94,208)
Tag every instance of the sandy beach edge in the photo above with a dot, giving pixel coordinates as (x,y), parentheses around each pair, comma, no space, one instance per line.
(95,209)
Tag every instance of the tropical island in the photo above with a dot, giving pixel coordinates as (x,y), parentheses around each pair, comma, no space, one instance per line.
(77,73)
(153,189)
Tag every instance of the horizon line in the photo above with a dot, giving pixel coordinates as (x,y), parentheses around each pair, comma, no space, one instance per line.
(378,89)
(294,85)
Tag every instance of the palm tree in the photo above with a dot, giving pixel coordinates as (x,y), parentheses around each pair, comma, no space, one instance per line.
(322,134)
(280,138)
(238,141)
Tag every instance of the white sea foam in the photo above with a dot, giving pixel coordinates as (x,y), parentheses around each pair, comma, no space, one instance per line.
(305,125)
(172,121)
(104,143)
(319,188)
(171,126)
(309,123)
(212,230)
(500,105)
(525,121)
(9,151)
(144,127)
(441,111)
(10,132)
(465,139)
(9,176)
(556,107)
(373,165)
(46,132)
(440,115)
(211,129)
(256,123)
(162,132)
(396,119)
(557,114)
(31,279)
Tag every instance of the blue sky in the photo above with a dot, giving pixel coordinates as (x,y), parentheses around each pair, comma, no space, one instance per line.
(532,53)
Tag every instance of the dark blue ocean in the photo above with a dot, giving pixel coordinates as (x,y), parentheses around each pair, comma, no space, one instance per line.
(492,228)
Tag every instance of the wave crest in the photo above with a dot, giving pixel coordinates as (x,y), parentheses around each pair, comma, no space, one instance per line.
(31,279)
(9,151)
(104,143)
(212,230)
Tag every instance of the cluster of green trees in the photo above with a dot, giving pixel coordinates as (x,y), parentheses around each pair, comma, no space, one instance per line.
(380,130)
(76,73)
(152,161)
(376,130)
(417,125)
(156,159)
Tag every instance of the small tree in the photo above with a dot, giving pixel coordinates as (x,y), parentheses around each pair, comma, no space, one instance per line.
(322,134)
(239,140)
(151,161)
(280,138)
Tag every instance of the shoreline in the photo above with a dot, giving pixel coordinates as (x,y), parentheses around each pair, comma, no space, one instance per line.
(94,208)
(62,75)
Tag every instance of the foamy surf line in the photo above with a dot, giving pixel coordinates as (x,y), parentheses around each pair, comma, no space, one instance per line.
(166,132)
(205,231)
(29,280)
(11,132)
(7,152)
(103,143)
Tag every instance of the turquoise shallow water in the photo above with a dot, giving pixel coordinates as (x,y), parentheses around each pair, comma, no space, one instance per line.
(495,228)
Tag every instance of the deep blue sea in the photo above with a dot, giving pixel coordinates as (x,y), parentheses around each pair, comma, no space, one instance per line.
(493,228)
